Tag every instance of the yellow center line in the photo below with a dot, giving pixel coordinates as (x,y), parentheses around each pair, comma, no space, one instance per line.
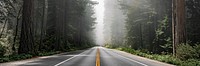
(98,58)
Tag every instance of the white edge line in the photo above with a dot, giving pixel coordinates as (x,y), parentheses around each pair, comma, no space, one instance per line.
(133,60)
(68,59)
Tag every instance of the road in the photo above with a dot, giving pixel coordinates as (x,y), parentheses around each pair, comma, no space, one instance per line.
(96,56)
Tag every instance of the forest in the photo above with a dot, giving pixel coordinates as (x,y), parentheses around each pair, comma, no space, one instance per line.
(169,27)
(163,30)
(36,26)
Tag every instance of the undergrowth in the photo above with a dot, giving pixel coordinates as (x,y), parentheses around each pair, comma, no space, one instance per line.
(163,58)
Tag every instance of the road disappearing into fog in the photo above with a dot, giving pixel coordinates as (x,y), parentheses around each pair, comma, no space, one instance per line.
(96,56)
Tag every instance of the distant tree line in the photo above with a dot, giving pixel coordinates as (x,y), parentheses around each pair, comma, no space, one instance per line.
(34,26)
(148,25)
(114,23)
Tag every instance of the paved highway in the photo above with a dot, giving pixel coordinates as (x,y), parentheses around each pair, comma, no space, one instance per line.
(96,56)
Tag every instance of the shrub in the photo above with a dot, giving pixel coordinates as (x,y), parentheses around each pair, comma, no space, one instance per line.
(197,48)
(185,51)
(4,59)
(15,57)
(2,50)
(48,53)
(21,56)
(190,62)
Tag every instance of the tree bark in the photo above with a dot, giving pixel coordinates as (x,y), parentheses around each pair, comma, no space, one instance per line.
(178,24)
(44,22)
(26,39)
(16,30)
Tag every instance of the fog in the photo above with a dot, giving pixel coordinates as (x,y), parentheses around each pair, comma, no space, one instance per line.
(110,22)
(141,27)
(99,14)
(114,20)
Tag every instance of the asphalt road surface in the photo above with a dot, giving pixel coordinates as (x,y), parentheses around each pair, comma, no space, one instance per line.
(96,56)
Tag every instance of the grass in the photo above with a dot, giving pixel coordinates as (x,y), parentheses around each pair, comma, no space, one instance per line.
(162,58)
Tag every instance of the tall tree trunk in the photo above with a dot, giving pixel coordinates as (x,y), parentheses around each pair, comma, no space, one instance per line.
(60,5)
(44,22)
(178,24)
(26,39)
(16,30)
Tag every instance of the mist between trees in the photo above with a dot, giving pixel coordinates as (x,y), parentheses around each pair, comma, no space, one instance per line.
(153,26)
(34,26)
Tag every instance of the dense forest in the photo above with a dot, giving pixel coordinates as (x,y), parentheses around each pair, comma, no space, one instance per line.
(155,26)
(34,26)
(160,27)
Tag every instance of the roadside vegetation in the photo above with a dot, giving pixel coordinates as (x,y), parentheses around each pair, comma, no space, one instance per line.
(184,58)
(16,57)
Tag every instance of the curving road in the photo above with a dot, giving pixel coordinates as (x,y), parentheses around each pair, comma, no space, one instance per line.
(96,56)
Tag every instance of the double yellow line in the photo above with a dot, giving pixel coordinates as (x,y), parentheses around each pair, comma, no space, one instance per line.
(98,58)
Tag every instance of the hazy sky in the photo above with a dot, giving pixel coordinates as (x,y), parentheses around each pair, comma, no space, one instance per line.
(99,10)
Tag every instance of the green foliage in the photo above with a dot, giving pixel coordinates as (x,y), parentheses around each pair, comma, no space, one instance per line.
(168,45)
(2,50)
(190,62)
(163,35)
(197,48)
(15,57)
(24,56)
(186,51)
(21,56)
(48,53)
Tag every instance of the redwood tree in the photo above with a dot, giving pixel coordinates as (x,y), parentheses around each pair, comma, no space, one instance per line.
(26,38)
(178,24)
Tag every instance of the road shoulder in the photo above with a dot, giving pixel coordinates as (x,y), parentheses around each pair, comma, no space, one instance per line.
(147,61)
(43,60)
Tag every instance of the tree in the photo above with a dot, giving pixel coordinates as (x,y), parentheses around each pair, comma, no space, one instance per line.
(26,38)
(46,25)
(178,24)
(44,21)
